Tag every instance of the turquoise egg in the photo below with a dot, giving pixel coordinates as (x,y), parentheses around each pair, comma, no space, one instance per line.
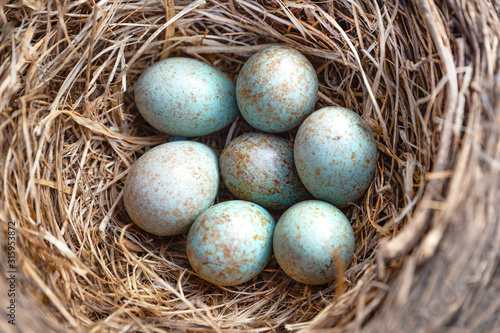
(276,89)
(313,242)
(170,185)
(335,155)
(231,242)
(259,168)
(186,97)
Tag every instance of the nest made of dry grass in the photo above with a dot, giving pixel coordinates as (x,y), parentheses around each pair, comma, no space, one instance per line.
(421,74)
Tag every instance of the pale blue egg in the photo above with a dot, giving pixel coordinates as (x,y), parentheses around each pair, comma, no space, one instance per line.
(170,185)
(313,241)
(335,155)
(276,89)
(231,242)
(186,97)
(259,168)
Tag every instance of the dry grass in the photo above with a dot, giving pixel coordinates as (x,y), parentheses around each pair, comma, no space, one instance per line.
(421,74)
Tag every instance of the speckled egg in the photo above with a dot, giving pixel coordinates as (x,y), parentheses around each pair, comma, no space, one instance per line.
(186,97)
(231,242)
(335,155)
(170,185)
(276,89)
(259,168)
(313,242)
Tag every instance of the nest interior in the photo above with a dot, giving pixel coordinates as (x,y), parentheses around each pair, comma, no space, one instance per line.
(420,73)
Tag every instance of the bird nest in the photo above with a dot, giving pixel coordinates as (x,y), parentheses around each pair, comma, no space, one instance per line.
(421,73)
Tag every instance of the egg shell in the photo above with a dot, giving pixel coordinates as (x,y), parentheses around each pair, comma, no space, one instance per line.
(313,242)
(186,97)
(335,155)
(231,242)
(276,89)
(170,185)
(259,168)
